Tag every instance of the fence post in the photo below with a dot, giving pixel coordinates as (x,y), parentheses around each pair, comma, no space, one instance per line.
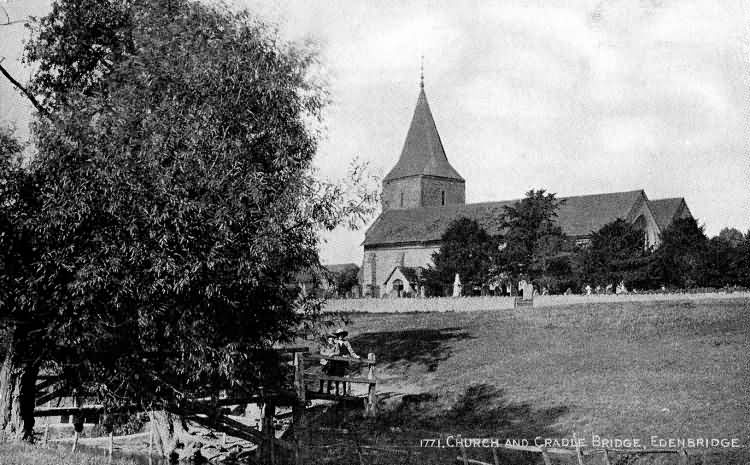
(111,443)
(75,441)
(150,434)
(371,394)
(683,457)
(299,409)
(579,456)
(77,420)
(269,411)
(545,456)
(46,432)
(463,453)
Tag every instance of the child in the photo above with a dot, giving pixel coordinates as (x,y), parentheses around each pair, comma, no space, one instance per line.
(328,349)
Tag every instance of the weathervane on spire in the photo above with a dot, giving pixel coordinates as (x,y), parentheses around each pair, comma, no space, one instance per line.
(421,73)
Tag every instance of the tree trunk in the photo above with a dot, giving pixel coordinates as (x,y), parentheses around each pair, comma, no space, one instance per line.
(10,394)
(172,437)
(17,395)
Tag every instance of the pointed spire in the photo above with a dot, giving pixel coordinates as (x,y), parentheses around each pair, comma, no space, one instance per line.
(421,73)
(423,153)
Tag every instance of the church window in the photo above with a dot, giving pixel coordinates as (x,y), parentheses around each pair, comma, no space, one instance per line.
(442,198)
(642,225)
(402,200)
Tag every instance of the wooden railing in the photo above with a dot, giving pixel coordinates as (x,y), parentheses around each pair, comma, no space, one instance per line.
(325,383)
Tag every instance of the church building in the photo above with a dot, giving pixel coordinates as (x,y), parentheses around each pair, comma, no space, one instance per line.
(424,193)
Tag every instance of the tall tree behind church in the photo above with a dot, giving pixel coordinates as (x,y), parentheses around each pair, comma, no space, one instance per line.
(466,250)
(532,243)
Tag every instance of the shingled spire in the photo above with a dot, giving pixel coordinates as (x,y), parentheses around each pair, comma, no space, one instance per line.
(423,177)
(423,153)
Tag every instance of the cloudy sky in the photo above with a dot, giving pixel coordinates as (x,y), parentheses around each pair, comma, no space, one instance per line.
(576,97)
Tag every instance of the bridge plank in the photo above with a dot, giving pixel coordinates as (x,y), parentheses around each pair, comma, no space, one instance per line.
(331,396)
(361,361)
(346,380)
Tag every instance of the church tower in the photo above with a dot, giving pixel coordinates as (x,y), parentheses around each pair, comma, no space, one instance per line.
(423,177)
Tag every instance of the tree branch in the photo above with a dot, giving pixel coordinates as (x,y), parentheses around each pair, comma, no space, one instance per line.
(25,91)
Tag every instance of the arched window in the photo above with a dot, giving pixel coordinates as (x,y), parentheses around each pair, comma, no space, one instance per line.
(402,200)
(442,198)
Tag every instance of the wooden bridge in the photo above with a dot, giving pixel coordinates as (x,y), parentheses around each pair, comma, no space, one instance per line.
(309,384)
(326,383)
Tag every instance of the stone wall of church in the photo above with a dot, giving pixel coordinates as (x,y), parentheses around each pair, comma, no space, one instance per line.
(435,189)
(401,193)
(647,224)
(422,191)
(378,263)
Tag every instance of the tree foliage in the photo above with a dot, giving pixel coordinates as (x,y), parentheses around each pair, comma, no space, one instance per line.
(727,260)
(731,236)
(466,249)
(345,280)
(616,253)
(680,259)
(23,301)
(175,197)
(533,242)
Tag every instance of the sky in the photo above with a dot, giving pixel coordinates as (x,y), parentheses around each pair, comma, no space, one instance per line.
(575,97)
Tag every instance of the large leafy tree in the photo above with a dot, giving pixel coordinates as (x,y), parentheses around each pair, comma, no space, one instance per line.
(346,279)
(466,249)
(727,259)
(680,259)
(176,198)
(732,236)
(533,243)
(616,253)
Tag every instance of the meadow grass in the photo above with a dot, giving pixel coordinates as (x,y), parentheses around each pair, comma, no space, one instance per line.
(671,369)
(24,454)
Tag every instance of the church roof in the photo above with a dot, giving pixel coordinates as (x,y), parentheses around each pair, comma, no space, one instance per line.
(665,210)
(411,273)
(577,216)
(423,152)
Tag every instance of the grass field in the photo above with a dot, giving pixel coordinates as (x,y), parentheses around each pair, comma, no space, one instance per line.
(20,454)
(674,369)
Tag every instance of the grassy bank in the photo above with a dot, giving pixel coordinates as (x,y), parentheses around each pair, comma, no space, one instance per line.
(20,454)
(672,369)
